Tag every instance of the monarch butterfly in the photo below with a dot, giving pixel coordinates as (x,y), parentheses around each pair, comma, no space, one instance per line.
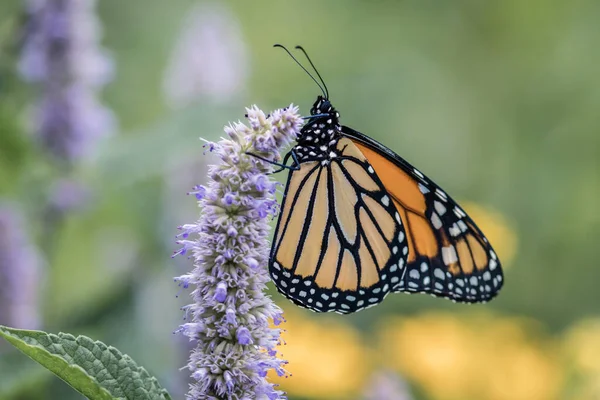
(358,222)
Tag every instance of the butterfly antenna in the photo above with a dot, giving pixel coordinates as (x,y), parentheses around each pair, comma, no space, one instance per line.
(305,70)
(318,74)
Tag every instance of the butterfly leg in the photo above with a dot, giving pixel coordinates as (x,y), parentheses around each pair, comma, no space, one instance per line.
(316,116)
(294,167)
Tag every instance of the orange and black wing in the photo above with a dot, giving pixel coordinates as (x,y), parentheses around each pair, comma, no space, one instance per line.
(448,255)
(339,244)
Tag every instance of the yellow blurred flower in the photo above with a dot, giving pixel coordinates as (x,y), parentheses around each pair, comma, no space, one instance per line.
(496,228)
(582,348)
(582,344)
(476,357)
(326,358)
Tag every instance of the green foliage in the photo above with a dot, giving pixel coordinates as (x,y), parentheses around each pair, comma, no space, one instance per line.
(18,374)
(93,369)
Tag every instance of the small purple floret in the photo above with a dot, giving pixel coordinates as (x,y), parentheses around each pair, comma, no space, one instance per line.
(243,336)
(221,292)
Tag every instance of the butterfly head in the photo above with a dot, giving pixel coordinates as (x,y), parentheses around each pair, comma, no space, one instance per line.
(323,106)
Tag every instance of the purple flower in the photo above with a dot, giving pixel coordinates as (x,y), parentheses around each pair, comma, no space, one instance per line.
(243,335)
(387,385)
(221,292)
(209,60)
(230,313)
(67,195)
(61,55)
(20,270)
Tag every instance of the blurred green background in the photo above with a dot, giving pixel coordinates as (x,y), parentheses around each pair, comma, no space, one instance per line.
(497,101)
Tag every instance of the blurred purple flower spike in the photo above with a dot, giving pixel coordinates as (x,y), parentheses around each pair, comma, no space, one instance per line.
(387,385)
(209,59)
(230,314)
(67,195)
(61,54)
(20,270)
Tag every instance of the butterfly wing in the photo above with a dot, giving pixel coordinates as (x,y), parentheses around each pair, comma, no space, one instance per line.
(339,244)
(448,255)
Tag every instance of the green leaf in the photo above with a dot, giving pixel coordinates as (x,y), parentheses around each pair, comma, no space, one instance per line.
(93,369)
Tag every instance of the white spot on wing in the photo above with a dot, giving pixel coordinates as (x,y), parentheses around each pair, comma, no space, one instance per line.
(435,220)
(438,273)
(449,255)
(439,207)
(459,213)
(454,230)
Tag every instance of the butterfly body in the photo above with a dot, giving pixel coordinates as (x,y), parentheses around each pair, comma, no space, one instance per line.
(319,137)
(358,222)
